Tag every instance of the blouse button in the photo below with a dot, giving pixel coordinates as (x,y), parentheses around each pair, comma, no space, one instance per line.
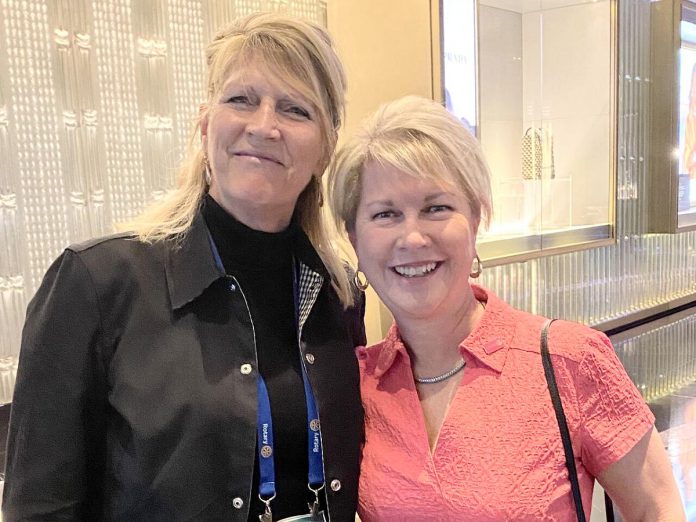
(237,503)
(335,485)
(309,358)
(245,369)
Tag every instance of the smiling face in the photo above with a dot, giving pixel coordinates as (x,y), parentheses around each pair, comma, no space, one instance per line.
(264,143)
(415,241)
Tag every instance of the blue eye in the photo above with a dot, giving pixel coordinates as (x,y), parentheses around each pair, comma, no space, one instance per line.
(437,208)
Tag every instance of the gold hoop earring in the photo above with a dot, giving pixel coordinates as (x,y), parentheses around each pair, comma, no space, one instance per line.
(360,284)
(206,167)
(476,267)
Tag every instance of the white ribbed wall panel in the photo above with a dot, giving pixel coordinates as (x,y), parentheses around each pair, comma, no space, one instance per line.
(662,360)
(115,53)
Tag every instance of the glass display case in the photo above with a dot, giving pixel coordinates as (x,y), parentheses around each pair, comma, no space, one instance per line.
(535,80)
(672,188)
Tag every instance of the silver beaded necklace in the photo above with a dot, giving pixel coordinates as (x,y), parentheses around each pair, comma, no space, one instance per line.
(439,378)
(454,371)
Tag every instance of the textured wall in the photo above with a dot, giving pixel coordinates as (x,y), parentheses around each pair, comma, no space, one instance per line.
(662,360)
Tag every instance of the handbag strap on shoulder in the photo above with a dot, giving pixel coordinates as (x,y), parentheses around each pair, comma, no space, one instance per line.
(561,419)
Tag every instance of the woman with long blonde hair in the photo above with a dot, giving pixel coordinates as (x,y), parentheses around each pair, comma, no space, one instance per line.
(200,366)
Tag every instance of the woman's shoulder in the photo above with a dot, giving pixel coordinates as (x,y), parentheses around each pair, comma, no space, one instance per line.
(569,340)
(574,341)
(574,347)
(120,242)
(111,264)
(566,339)
(118,253)
(94,271)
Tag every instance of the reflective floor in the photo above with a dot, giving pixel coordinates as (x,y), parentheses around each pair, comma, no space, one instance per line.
(675,418)
(660,358)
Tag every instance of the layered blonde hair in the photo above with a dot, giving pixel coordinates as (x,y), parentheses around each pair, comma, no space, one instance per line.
(418,137)
(300,53)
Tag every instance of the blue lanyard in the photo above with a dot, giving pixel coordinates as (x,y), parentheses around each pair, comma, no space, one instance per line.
(265,444)
(267,490)
(266,447)
(265,422)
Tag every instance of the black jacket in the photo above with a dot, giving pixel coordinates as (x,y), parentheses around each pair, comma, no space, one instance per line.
(136,388)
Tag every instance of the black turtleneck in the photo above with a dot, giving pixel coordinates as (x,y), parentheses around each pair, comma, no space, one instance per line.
(262,262)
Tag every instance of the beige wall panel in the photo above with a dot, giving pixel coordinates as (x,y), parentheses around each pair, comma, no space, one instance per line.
(386,49)
(385,46)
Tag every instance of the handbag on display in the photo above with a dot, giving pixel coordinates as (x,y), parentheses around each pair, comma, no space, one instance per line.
(537,154)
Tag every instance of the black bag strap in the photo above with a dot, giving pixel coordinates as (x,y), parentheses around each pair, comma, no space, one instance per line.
(561,419)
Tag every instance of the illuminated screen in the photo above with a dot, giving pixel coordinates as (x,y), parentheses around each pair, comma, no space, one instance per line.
(686,202)
(459,59)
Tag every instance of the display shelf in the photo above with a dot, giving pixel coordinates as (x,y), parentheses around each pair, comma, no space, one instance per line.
(544,107)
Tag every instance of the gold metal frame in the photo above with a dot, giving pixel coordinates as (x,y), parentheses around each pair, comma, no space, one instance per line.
(438,79)
(524,248)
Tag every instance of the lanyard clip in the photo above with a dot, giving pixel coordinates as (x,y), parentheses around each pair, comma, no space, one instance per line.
(267,514)
(314,507)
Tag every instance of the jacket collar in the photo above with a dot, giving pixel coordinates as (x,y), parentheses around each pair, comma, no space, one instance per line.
(488,343)
(193,264)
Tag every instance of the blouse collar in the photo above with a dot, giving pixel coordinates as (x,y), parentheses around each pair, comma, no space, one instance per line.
(488,343)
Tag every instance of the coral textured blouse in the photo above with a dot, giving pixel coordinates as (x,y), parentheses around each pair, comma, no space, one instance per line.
(499,455)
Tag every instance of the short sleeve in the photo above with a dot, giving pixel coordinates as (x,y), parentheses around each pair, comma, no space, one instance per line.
(55,418)
(614,416)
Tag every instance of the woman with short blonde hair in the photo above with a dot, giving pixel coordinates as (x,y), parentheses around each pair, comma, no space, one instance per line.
(460,423)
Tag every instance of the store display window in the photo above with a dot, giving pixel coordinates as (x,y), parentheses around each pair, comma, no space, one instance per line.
(535,80)
(672,124)
(686,176)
